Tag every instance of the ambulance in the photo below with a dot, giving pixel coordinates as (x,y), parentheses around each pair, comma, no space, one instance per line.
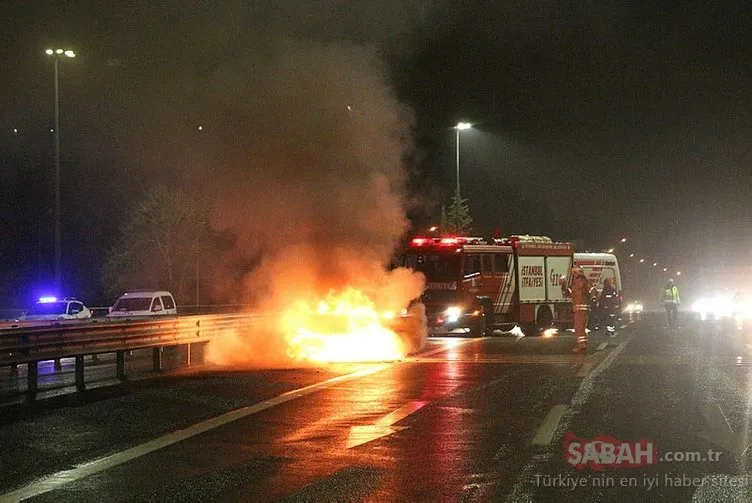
(474,285)
(598,267)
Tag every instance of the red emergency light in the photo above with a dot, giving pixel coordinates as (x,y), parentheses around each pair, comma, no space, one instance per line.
(448,241)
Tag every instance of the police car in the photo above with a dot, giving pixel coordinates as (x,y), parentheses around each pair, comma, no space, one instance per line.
(52,308)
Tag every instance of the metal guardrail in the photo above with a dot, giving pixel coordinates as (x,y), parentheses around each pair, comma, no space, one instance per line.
(30,345)
(10,315)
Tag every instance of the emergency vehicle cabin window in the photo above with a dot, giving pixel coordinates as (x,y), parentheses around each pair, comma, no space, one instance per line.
(436,266)
(501,264)
(472,265)
(487,265)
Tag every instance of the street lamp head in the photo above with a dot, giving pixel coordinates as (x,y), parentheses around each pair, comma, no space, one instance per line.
(461,126)
(70,54)
(59,51)
(49,52)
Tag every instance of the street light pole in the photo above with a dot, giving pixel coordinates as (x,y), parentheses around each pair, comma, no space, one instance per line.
(457,143)
(58,237)
(56,54)
(461,126)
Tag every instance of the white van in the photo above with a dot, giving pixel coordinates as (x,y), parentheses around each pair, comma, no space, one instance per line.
(144,303)
(599,266)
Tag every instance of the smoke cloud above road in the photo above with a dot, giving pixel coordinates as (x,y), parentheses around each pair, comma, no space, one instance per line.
(309,184)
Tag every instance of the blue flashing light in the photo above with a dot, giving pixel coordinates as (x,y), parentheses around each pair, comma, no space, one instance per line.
(47,300)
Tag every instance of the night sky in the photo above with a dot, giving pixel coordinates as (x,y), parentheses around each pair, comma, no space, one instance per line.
(593,120)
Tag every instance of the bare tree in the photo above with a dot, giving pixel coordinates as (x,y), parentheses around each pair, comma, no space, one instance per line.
(159,244)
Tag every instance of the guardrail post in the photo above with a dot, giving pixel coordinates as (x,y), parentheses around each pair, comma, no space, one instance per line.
(80,382)
(188,350)
(32,379)
(58,365)
(120,365)
(157,358)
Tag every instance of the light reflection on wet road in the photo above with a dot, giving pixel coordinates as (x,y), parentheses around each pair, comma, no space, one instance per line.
(446,425)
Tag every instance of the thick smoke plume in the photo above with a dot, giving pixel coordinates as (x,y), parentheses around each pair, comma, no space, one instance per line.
(315,199)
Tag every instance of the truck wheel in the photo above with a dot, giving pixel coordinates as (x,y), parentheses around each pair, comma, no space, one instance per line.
(481,327)
(544,319)
(529,329)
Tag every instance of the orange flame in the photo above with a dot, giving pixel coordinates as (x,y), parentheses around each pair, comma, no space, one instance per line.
(342,327)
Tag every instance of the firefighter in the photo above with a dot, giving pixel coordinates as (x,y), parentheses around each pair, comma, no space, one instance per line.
(609,304)
(579,291)
(671,301)
(595,318)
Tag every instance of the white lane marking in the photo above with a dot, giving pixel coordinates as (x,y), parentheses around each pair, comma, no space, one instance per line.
(623,327)
(522,489)
(601,346)
(547,429)
(584,369)
(720,433)
(360,435)
(56,480)
(450,344)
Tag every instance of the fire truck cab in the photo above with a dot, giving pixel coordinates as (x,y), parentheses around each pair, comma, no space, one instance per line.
(474,285)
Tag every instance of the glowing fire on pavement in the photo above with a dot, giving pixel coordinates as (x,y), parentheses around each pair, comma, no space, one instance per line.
(342,327)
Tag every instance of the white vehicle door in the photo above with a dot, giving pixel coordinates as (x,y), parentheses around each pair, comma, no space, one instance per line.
(557,268)
(156,306)
(76,309)
(169,304)
(531,272)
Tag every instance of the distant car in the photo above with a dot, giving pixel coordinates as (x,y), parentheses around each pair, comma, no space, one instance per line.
(635,307)
(724,305)
(52,308)
(144,303)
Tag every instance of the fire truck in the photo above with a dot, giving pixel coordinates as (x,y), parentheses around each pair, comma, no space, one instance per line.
(474,285)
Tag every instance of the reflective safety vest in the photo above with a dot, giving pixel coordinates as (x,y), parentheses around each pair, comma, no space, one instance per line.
(609,298)
(580,294)
(671,295)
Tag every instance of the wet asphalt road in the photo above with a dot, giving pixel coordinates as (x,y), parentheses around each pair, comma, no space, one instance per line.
(467,420)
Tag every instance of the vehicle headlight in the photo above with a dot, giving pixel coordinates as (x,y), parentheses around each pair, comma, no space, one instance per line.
(453,313)
(701,306)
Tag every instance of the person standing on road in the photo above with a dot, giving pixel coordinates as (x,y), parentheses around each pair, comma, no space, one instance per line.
(595,316)
(671,301)
(579,292)
(608,305)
